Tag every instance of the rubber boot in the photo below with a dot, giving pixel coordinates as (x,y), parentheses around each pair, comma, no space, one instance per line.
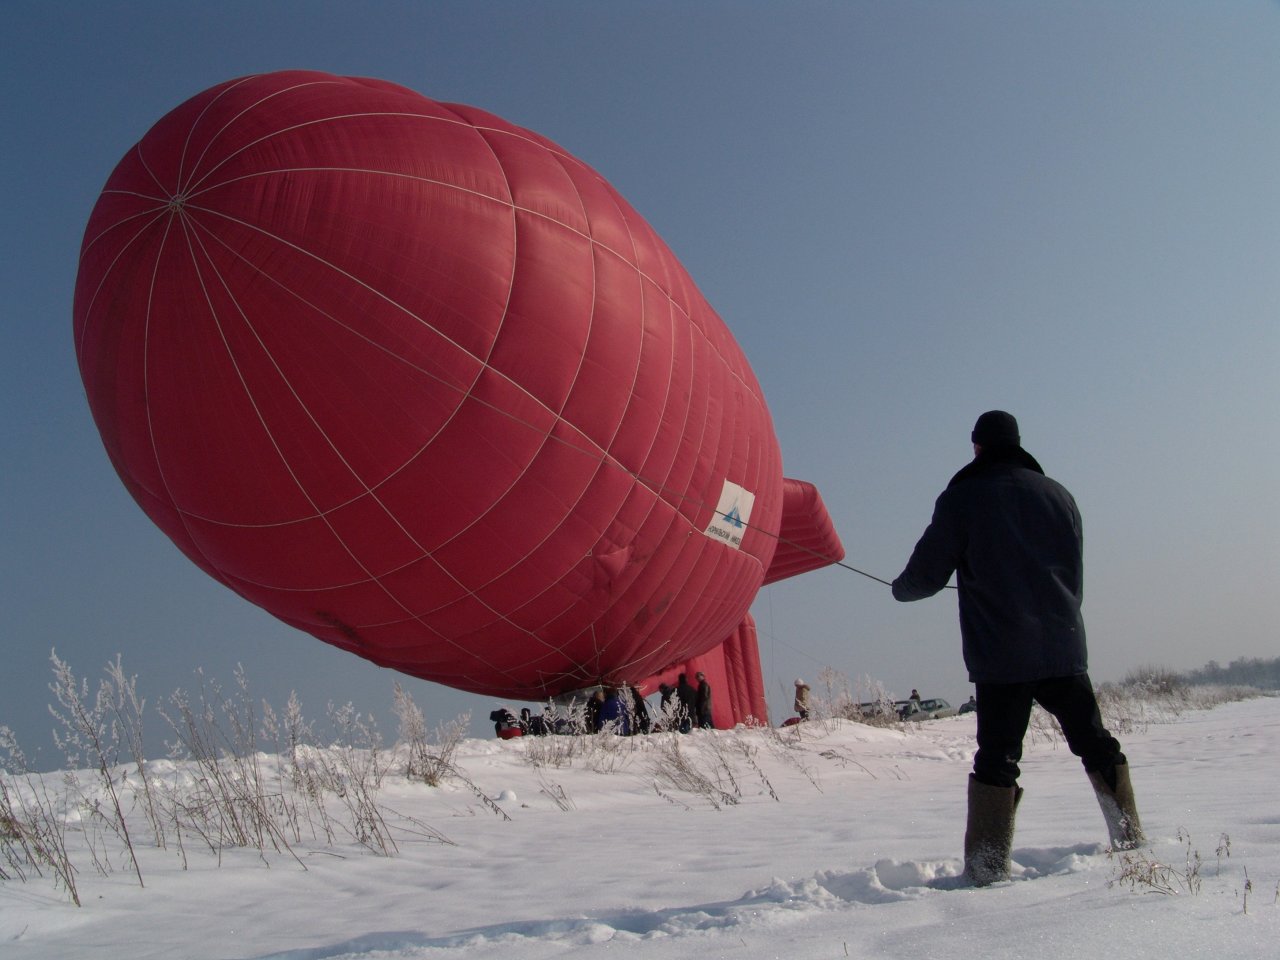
(1119,808)
(988,837)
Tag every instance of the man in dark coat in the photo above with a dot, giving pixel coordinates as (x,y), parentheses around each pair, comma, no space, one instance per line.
(591,712)
(1013,538)
(687,703)
(639,712)
(703,702)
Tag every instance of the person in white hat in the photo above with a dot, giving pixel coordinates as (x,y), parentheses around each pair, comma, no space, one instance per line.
(802,699)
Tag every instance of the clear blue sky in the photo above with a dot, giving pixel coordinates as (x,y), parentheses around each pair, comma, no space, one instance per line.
(907,212)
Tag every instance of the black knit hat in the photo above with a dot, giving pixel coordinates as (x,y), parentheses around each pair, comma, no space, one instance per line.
(995,428)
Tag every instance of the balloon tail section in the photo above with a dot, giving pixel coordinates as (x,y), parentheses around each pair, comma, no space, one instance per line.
(807,539)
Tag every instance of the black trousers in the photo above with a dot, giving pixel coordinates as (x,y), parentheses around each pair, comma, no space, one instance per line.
(1004,709)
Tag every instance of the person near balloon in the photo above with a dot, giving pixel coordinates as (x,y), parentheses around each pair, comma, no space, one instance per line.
(702,702)
(505,723)
(639,712)
(1014,539)
(801,703)
(538,726)
(591,712)
(687,700)
(614,715)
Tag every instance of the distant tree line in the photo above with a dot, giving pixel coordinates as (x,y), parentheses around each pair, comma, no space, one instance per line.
(1245,672)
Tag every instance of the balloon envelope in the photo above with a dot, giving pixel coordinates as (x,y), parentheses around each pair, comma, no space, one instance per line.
(422,384)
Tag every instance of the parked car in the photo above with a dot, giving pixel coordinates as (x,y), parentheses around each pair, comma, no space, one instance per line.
(930,709)
(937,707)
(876,708)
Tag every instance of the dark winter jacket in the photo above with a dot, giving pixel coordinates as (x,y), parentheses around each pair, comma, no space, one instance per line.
(639,712)
(1014,538)
(702,704)
(687,698)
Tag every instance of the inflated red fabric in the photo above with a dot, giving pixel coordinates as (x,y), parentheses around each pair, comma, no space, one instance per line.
(422,384)
(807,539)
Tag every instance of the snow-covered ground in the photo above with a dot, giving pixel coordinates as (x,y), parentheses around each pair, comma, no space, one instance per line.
(828,841)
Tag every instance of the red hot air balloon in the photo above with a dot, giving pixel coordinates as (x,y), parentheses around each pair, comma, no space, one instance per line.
(422,384)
